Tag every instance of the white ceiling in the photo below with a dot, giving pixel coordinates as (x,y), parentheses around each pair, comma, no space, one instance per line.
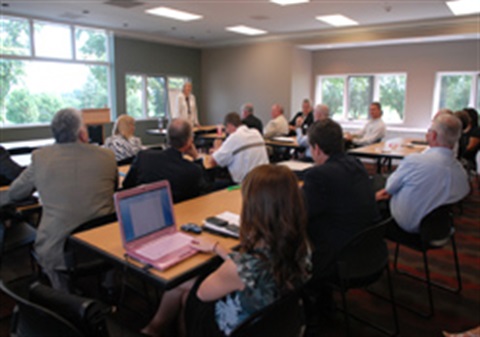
(278,20)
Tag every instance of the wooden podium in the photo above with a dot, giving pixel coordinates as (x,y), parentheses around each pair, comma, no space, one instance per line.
(95,119)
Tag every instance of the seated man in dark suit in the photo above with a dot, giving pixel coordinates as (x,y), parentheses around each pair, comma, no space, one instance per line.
(340,199)
(185,177)
(9,170)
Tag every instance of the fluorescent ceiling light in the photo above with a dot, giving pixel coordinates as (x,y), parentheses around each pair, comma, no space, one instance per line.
(288,2)
(173,14)
(464,7)
(246,30)
(337,20)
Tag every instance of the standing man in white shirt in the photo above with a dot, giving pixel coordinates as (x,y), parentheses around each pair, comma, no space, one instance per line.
(186,105)
(373,131)
(278,125)
(243,150)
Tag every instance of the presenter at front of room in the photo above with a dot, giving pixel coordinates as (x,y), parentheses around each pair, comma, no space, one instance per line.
(186,105)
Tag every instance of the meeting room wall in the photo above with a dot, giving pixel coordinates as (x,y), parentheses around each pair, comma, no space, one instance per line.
(134,56)
(420,62)
(260,73)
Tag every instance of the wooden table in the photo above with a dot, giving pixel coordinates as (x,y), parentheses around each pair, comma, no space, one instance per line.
(106,240)
(385,152)
(290,142)
(196,130)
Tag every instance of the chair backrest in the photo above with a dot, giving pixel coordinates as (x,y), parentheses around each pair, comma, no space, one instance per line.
(86,314)
(363,258)
(437,226)
(31,320)
(97,222)
(284,317)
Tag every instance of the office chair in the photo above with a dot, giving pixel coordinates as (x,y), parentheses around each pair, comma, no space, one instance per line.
(17,235)
(361,263)
(87,267)
(436,229)
(284,317)
(43,311)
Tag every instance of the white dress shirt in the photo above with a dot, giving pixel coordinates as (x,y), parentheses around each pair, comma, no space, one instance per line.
(373,131)
(242,151)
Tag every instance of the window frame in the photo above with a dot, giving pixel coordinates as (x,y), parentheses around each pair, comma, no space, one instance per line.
(374,93)
(32,57)
(144,87)
(474,89)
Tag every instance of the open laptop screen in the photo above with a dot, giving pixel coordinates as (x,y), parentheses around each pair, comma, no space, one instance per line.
(145,213)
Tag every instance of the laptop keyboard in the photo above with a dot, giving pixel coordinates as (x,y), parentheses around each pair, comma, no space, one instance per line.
(164,245)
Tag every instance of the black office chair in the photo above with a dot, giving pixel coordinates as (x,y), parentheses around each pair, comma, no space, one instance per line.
(361,263)
(87,265)
(79,268)
(16,235)
(284,317)
(436,229)
(43,311)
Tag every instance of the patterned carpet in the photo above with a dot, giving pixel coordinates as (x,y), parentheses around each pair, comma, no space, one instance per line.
(453,312)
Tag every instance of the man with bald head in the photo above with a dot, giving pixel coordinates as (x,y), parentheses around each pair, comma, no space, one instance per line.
(278,125)
(185,177)
(423,182)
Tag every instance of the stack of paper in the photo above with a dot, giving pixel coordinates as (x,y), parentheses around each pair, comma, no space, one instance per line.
(231,229)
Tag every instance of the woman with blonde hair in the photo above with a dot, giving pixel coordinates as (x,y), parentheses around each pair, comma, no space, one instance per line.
(273,260)
(123,142)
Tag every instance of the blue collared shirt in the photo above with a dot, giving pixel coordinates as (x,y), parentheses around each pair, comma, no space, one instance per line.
(423,182)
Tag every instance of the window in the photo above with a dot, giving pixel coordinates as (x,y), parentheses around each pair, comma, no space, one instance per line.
(456,91)
(149,96)
(14,36)
(349,96)
(52,40)
(53,67)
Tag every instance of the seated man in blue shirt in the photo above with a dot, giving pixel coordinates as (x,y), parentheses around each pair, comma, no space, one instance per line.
(423,182)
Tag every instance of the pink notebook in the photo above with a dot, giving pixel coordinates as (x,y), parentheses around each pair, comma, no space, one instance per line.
(147,223)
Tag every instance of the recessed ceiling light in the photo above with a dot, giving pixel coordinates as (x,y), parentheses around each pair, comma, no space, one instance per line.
(337,20)
(464,7)
(288,2)
(173,14)
(246,30)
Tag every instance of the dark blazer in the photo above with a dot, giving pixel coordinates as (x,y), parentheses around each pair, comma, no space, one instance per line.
(253,122)
(185,177)
(9,170)
(306,123)
(340,203)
